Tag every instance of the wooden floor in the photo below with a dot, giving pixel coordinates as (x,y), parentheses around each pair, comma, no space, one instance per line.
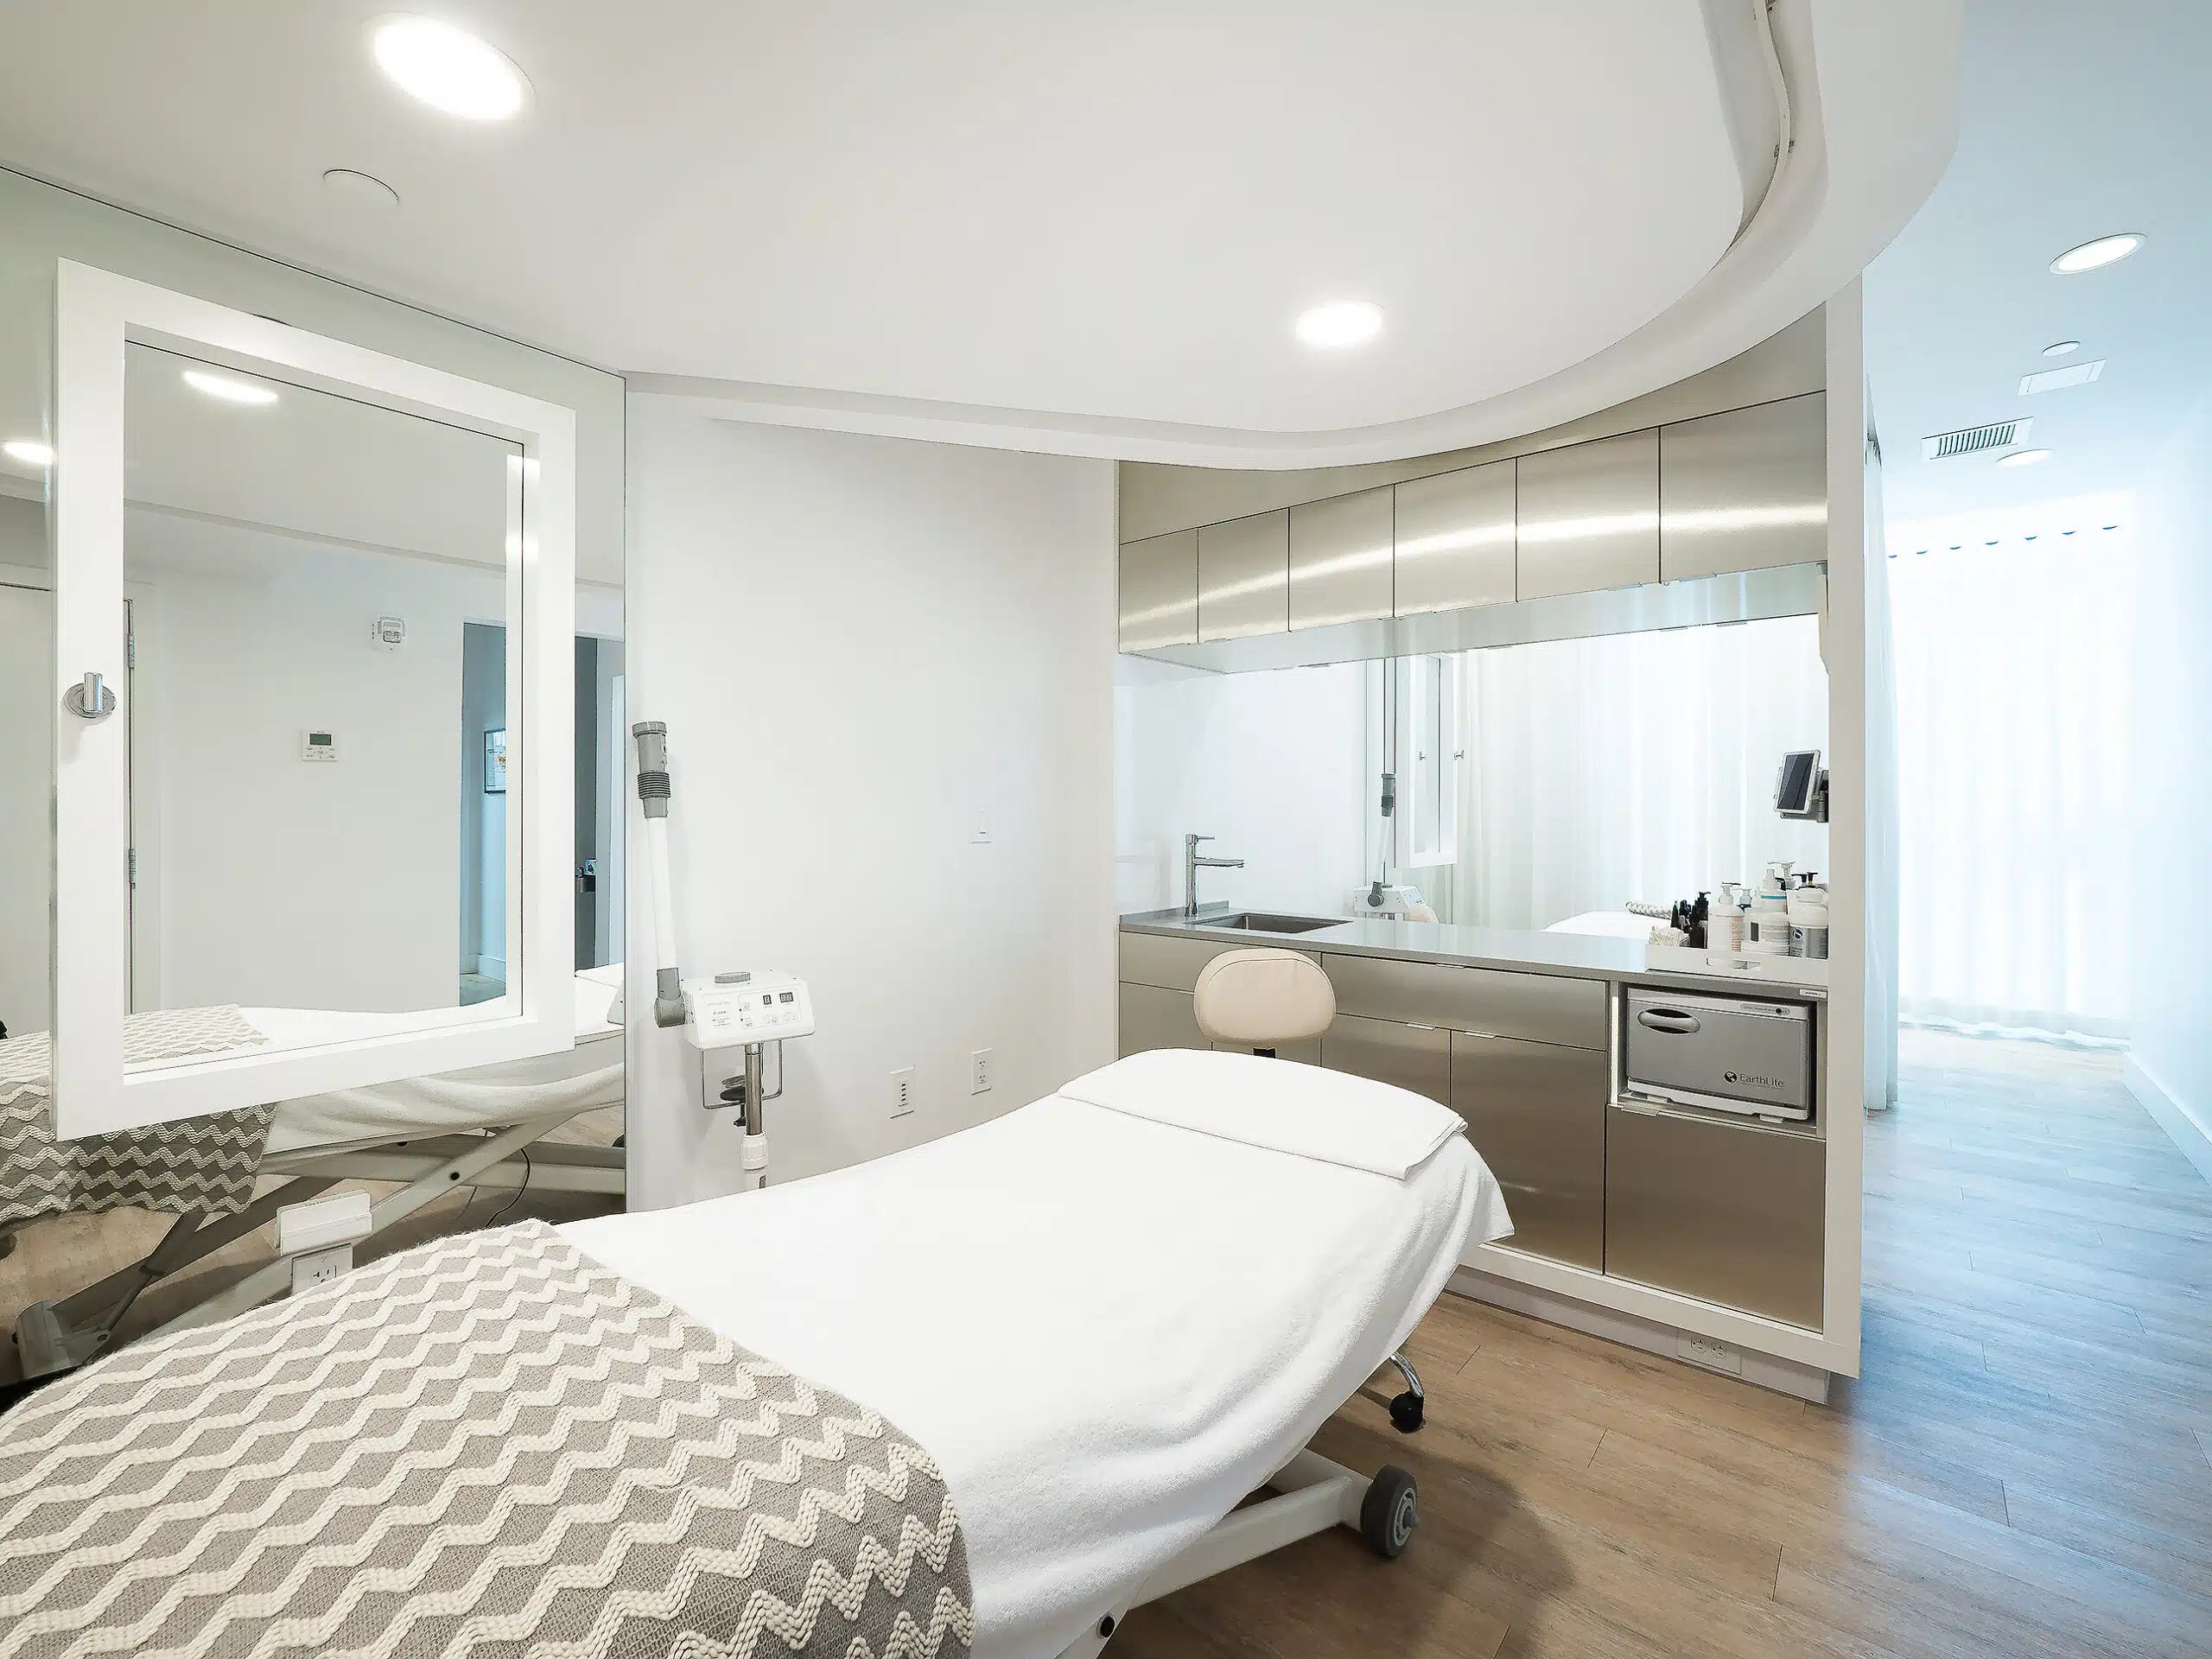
(2026,1468)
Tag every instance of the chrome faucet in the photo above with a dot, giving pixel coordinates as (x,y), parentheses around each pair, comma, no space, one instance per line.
(1193,864)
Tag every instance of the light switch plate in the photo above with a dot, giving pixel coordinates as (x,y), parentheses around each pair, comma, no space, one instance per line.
(902,1091)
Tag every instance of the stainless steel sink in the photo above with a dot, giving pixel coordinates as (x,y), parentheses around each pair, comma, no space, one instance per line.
(1259,921)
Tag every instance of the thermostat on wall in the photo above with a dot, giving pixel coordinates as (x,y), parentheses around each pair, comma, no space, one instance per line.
(318,746)
(388,633)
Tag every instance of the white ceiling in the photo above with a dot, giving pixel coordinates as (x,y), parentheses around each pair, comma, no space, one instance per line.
(1084,226)
(314,464)
(2076,121)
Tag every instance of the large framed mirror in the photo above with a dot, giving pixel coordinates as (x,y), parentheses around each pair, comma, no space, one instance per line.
(314,693)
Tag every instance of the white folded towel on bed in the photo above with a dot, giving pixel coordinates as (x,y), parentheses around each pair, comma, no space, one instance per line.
(1301,1110)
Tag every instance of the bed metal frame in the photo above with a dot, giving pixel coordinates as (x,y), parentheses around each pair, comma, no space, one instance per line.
(59,1336)
(1310,1494)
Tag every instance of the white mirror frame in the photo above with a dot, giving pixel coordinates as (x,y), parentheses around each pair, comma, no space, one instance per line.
(96,313)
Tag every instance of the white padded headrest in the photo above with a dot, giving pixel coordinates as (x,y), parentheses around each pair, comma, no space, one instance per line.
(1262,998)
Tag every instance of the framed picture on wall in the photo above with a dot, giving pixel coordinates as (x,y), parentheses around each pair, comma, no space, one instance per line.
(495,761)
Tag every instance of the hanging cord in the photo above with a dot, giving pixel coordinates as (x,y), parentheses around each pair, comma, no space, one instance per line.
(523,1187)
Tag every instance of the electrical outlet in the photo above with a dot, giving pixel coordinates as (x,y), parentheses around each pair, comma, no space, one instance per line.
(1713,1355)
(979,1072)
(320,1266)
(902,1091)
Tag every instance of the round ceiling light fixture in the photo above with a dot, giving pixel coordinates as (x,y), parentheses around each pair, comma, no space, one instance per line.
(2024,458)
(1341,323)
(356,186)
(448,69)
(2095,255)
(29,451)
(228,390)
(2062,347)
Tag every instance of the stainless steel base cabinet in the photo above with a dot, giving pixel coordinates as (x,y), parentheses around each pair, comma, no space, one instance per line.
(1725,1213)
(1413,1056)
(1536,1113)
(1154,1018)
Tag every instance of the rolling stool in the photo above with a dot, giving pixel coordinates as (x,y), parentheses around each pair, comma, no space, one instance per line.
(1260,999)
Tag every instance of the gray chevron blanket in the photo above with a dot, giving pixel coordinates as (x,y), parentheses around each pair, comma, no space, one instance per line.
(202,1166)
(487,1445)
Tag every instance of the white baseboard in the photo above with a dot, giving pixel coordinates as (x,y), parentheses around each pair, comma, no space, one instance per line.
(1632,1331)
(492,967)
(2188,1128)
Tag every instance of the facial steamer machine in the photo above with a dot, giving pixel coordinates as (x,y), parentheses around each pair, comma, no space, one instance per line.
(742,1008)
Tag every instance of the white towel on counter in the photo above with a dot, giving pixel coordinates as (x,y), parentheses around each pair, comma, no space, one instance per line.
(1279,1104)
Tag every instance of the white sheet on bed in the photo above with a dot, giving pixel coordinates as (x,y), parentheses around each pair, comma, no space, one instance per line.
(1108,1330)
(482,1096)
(1332,1115)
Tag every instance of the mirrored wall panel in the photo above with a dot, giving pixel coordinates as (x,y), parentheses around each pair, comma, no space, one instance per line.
(317,779)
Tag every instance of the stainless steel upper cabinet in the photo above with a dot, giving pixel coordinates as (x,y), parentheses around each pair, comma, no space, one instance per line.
(1244,577)
(1589,516)
(1160,592)
(1455,540)
(1340,559)
(1745,490)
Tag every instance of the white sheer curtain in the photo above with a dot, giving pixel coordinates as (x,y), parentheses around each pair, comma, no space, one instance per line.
(1632,766)
(2011,638)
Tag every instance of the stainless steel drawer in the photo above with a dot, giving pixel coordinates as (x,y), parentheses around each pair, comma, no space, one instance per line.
(1537,1007)
(1728,1213)
(1745,490)
(1340,560)
(1173,963)
(1153,1018)
(1160,592)
(1408,1056)
(1245,576)
(1536,1113)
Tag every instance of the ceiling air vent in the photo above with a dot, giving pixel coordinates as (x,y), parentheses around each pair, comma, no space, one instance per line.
(2052,379)
(1972,440)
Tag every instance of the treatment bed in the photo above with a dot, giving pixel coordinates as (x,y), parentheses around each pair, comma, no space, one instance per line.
(983,1395)
(482,1128)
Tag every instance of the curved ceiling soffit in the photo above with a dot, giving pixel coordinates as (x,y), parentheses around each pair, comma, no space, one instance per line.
(1890,93)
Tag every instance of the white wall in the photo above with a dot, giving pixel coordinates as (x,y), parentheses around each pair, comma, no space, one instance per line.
(277,880)
(2171,716)
(861,648)
(1271,764)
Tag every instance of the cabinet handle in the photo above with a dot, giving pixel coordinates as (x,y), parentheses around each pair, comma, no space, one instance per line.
(1680,1024)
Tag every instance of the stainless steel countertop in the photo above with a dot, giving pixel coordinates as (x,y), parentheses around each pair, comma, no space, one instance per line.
(1582,955)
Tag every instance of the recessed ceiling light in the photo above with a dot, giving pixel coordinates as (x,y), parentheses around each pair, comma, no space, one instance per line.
(448,69)
(229,391)
(1344,322)
(2024,458)
(2061,347)
(360,186)
(29,451)
(2090,255)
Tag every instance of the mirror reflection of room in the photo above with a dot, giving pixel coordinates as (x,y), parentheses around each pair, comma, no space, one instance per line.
(302,570)
(1548,785)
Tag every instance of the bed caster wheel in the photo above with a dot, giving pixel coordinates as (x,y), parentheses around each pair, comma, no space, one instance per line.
(1387,1514)
(1406,1412)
